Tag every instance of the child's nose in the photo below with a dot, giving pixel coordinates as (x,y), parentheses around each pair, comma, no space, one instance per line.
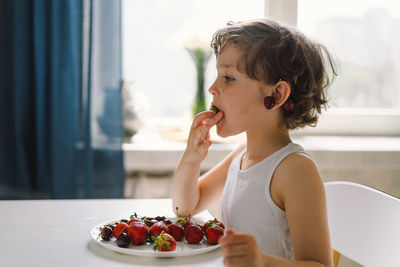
(213,89)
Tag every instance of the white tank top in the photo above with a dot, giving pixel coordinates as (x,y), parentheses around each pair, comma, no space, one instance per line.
(247,205)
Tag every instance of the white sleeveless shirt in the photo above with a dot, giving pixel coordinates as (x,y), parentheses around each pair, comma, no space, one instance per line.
(247,205)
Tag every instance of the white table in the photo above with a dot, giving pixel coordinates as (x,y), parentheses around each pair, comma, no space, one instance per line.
(56,233)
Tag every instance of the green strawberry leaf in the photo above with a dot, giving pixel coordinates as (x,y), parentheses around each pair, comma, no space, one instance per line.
(155,247)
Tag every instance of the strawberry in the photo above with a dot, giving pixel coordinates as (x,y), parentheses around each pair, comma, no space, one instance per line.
(119,228)
(176,231)
(212,222)
(185,222)
(214,108)
(213,233)
(164,242)
(134,218)
(137,231)
(193,234)
(157,228)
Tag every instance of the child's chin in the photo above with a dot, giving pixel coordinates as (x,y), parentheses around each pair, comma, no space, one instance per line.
(224,131)
(221,132)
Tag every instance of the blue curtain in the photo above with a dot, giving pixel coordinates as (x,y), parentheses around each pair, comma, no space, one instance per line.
(60,99)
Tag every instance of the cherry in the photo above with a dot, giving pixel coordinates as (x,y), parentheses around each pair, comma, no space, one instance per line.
(160,218)
(106,233)
(123,240)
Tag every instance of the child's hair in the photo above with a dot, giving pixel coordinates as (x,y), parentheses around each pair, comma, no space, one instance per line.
(272,52)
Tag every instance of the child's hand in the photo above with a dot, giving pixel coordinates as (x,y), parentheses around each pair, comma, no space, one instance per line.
(199,136)
(240,249)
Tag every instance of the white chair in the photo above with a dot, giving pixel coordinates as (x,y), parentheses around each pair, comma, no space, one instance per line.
(364,224)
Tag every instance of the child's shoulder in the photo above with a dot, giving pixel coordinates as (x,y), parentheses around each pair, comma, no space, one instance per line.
(297,172)
(297,161)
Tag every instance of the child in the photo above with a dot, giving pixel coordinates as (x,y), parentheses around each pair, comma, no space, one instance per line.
(271,79)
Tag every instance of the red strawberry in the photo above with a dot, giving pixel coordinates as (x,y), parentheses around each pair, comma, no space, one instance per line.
(176,231)
(193,234)
(137,231)
(133,218)
(119,228)
(213,233)
(164,242)
(212,222)
(157,228)
(185,222)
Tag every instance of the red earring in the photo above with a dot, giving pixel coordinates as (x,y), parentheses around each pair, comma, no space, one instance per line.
(269,102)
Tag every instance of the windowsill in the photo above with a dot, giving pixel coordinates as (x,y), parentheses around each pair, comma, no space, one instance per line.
(152,153)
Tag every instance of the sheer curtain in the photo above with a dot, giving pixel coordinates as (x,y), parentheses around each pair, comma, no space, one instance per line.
(60,99)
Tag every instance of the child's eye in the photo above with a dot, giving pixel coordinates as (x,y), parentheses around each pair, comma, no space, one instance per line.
(228,78)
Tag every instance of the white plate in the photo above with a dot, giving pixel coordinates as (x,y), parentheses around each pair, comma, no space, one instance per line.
(182,247)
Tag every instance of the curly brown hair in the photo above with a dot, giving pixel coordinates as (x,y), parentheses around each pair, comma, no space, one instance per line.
(272,52)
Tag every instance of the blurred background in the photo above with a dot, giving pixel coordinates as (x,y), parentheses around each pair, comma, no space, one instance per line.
(357,136)
(363,35)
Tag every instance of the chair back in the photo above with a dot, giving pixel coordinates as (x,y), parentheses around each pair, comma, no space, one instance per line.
(364,223)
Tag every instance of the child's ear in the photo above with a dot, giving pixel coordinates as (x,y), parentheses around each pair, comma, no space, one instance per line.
(281,93)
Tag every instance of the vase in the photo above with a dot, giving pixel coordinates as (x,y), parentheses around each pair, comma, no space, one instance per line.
(200,57)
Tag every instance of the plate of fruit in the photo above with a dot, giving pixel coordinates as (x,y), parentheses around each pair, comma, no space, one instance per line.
(159,236)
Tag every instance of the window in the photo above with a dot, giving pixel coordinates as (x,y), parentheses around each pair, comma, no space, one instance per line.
(364,36)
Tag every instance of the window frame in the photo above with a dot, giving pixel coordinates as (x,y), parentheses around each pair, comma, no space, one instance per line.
(339,121)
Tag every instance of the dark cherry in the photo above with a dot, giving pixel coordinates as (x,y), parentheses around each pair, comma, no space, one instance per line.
(160,218)
(106,233)
(289,105)
(149,223)
(112,226)
(123,240)
(269,102)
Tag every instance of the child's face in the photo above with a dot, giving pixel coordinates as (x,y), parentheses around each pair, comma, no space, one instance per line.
(238,96)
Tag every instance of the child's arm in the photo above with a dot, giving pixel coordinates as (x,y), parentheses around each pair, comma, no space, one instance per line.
(191,194)
(185,189)
(297,188)
(242,250)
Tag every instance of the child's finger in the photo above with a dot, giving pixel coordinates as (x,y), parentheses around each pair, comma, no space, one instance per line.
(230,238)
(207,136)
(201,116)
(229,231)
(199,134)
(235,250)
(214,119)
